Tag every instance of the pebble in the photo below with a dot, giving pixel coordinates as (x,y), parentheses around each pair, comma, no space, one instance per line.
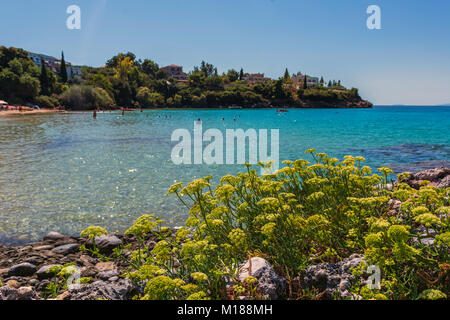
(22,270)
(66,249)
(54,236)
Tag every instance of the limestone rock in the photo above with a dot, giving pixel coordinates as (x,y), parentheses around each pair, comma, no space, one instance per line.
(269,283)
(120,290)
(332,278)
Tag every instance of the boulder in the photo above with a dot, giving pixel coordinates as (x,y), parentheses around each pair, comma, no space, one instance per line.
(106,244)
(25,269)
(332,278)
(54,236)
(120,290)
(269,283)
(66,249)
(43,273)
(105,275)
(24,293)
(439,177)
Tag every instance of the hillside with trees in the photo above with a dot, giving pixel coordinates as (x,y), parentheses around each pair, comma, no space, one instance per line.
(128,81)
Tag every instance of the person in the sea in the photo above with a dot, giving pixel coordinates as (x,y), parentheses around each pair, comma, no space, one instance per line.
(95,113)
(199,121)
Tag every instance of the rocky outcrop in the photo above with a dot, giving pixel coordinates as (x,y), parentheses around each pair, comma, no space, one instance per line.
(332,278)
(270,284)
(351,103)
(439,177)
(24,270)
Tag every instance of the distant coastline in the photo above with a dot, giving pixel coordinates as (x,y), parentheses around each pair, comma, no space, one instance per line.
(125,81)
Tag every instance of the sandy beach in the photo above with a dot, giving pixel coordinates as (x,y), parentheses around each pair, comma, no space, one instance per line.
(12,113)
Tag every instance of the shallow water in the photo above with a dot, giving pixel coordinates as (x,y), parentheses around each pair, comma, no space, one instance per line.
(63,172)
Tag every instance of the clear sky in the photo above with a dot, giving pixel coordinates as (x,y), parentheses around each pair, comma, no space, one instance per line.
(407,62)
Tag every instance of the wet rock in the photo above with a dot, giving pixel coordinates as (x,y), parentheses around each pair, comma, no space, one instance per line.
(43,273)
(120,290)
(66,249)
(439,177)
(332,278)
(269,283)
(54,236)
(22,270)
(107,243)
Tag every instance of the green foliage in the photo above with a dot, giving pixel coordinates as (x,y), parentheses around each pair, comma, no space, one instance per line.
(63,69)
(93,231)
(47,102)
(85,97)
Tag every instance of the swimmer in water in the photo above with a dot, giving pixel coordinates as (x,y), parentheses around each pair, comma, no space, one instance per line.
(95,114)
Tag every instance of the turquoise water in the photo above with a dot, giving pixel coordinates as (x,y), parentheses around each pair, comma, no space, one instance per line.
(63,172)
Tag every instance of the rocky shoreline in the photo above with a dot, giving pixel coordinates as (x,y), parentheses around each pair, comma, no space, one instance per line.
(25,270)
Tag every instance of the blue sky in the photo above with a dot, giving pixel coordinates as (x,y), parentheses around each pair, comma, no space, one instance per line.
(407,62)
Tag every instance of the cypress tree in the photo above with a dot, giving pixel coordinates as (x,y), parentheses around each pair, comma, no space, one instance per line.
(43,78)
(241,74)
(63,69)
(305,82)
(286,75)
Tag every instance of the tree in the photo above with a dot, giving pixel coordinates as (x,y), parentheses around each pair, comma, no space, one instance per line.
(44,79)
(305,82)
(114,61)
(321,81)
(149,67)
(233,75)
(287,77)
(123,68)
(63,69)
(241,74)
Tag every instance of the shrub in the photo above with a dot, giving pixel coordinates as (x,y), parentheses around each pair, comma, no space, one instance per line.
(82,97)
(47,102)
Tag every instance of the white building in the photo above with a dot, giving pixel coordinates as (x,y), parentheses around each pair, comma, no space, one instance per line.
(299,79)
(54,64)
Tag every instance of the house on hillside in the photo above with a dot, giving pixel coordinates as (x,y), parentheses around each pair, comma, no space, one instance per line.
(255,78)
(176,72)
(299,79)
(54,64)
